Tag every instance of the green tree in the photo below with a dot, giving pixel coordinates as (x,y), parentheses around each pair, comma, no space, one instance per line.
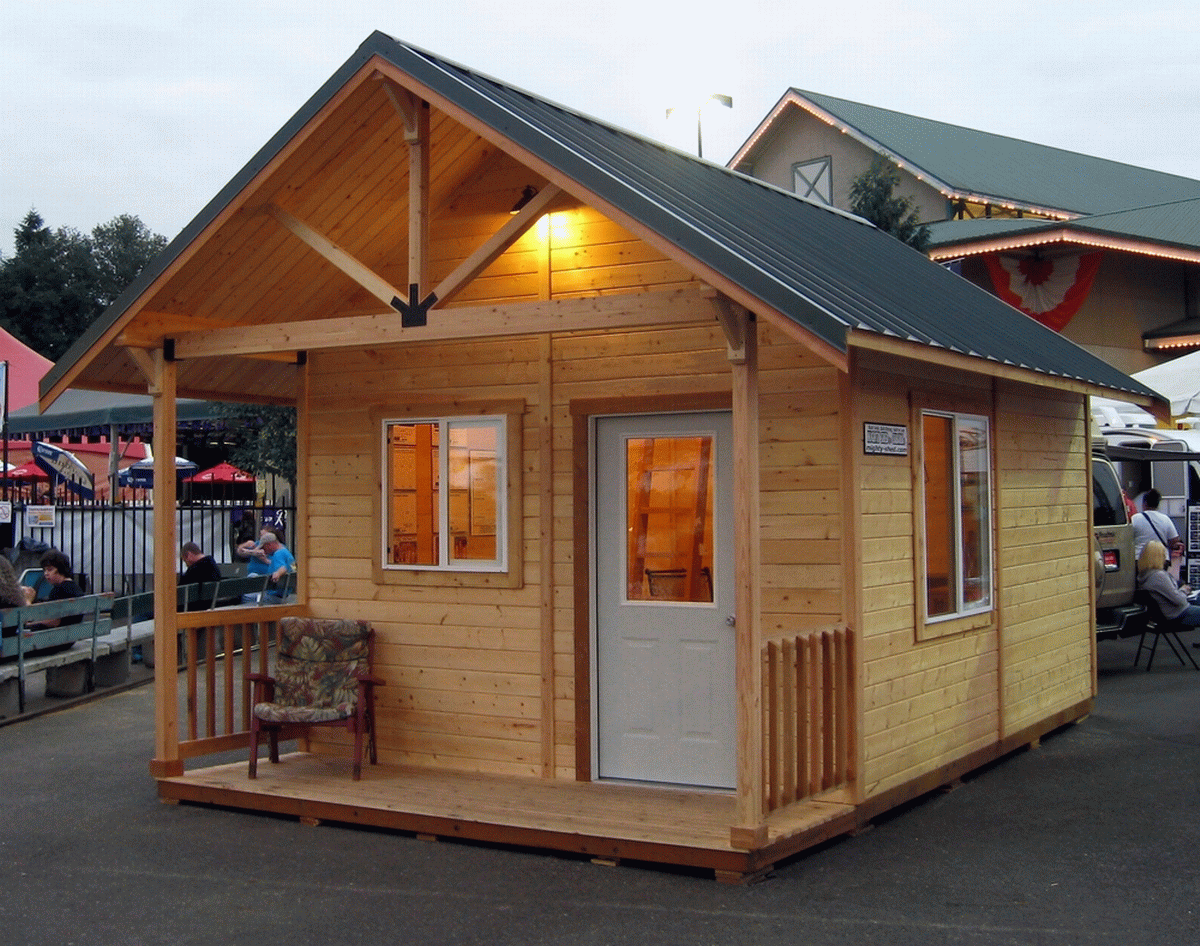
(872,196)
(121,249)
(57,282)
(261,439)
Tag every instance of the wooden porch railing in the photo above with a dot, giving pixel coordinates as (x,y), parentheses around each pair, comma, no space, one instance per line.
(216,693)
(806,715)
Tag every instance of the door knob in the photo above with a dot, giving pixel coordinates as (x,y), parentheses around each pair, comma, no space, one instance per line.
(731,621)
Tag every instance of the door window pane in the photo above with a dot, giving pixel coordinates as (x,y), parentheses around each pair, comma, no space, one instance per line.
(669,527)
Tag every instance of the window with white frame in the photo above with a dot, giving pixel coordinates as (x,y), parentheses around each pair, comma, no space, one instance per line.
(814,179)
(956,460)
(444,490)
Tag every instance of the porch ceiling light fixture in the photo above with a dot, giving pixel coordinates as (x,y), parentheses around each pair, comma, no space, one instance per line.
(527,195)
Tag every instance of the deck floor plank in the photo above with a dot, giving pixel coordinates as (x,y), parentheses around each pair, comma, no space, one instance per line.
(669,822)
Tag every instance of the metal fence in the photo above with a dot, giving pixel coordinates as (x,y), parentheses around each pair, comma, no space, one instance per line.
(112,545)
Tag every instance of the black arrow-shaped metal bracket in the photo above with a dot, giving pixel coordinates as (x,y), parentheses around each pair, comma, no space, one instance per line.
(412,312)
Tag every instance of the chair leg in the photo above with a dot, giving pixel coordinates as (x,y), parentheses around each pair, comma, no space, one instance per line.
(273,735)
(254,747)
(1180,651)
(1153,648)
(1138,655)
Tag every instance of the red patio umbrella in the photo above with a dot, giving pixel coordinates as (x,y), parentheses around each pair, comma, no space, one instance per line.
(27,472)
(221,473)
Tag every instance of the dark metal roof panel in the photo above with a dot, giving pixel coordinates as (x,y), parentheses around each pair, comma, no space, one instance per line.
(1009,169)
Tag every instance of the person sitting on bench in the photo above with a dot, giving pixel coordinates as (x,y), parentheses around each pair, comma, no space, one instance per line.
(201,569)
(57,569)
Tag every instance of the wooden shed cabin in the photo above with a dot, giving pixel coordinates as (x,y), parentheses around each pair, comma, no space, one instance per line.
(698,523)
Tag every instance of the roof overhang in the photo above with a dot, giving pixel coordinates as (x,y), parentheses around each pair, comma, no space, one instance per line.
(1155,404)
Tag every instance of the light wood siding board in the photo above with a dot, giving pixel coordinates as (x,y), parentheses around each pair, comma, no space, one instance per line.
(1045,550)
(924,704)
(801,489)
(463,664)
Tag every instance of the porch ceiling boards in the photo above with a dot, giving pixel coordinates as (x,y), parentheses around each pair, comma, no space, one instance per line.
(347,180)
(659,825)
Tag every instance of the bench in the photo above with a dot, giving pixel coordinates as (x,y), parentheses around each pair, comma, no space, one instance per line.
(70,669)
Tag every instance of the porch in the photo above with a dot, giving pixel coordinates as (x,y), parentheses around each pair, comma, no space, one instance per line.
(805,787)
(608,821)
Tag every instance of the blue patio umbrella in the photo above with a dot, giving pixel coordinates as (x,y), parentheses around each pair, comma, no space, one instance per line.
(64,467)
(140,475)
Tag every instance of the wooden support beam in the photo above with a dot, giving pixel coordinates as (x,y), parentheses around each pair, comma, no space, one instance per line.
(144,362)
(167,760)
(501,240)
(670,307)
(747,558)
(418,200)
(379,287)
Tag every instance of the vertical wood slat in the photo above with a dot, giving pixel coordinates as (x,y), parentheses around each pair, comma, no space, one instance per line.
(806,724)
(233,696)
(790,723)
(771,726)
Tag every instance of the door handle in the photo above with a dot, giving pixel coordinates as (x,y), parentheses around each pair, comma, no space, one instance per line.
(731,621)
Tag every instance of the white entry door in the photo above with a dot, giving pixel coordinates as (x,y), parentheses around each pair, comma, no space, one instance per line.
(665,648)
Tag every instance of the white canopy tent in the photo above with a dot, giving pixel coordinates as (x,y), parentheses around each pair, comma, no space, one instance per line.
(1177,380)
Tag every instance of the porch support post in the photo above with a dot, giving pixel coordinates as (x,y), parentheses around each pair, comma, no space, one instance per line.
(749,832)
(166,761)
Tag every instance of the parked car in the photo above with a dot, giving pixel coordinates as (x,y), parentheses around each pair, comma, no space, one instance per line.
(1117,615)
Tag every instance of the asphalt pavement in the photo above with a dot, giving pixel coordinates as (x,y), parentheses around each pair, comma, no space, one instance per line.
(1089,839)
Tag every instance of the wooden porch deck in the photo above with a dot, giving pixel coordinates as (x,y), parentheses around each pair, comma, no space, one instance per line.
(603,820)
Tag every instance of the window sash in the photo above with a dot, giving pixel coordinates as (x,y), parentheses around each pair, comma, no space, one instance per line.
(956,455)
(445,494)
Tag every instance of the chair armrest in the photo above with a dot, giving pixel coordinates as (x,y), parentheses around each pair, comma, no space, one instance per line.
(263,683)
(370,678)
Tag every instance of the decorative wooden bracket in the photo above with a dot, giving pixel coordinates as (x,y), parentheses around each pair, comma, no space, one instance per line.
(736,321)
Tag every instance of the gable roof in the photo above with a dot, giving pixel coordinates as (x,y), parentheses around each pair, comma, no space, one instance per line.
(827,274)
(979,165)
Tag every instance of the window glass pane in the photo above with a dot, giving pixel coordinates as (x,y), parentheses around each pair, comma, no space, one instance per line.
(473,498)
(974,512)
(940,571)
(412,479)
(669,500)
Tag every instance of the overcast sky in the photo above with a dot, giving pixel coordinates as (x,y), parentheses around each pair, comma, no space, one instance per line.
(128,106)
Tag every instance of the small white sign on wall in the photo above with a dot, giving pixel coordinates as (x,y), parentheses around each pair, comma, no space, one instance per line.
(39,517)
(889,439)
(5,512)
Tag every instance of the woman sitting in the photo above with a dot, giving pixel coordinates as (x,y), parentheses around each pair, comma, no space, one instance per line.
(1171,599)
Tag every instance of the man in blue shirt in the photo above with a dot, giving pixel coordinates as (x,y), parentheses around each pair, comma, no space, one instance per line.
(280,562)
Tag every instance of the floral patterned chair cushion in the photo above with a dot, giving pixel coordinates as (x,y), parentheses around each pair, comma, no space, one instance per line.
(322,677)
(316,671)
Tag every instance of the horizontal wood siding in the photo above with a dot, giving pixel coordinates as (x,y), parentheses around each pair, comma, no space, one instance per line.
(927,703)
(802,513)
(464,665)
(1045,553)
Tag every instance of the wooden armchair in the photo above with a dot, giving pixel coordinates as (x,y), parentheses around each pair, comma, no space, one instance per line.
(322,678)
